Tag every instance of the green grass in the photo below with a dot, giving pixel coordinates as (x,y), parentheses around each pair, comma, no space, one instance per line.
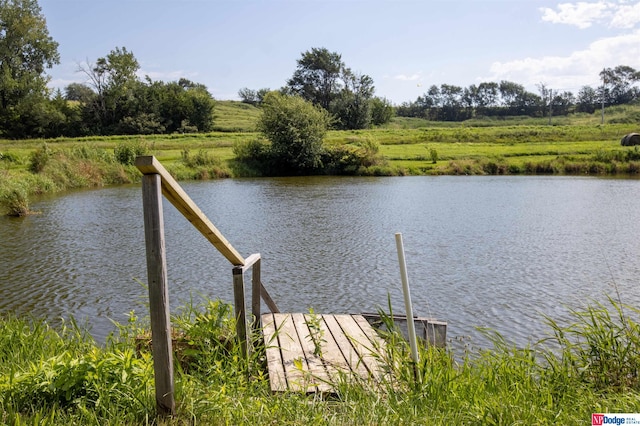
(60,376)
(580,145)
(235,116)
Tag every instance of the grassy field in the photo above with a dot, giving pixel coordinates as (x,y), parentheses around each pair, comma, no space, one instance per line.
(60,376)
(572,145)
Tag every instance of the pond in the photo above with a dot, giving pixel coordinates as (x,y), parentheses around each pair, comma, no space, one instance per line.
(496,252)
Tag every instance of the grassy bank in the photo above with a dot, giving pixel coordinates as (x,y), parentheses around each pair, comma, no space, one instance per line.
(407,147)
(61,377)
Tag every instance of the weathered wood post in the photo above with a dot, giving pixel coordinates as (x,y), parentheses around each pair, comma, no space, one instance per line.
(158,293)
(240,309)
(256,292)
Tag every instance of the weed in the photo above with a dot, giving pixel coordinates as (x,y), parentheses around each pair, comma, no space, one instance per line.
(316,332)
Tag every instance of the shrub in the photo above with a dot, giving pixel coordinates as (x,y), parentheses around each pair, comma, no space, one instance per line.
(296,129)
(202,158)
(434,155)
(254,157)
(143,124)
(39,159)
(8,157)
(352,160)
(127,152)
(16,201)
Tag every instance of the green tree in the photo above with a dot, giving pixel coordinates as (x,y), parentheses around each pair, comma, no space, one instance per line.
(587,100)
(352,107)
(619,83)
(115,83)
(78,92)
(26,50)
(252,97)
(323,79)
(296,129)
(182,106)
(317,78)
(382,111)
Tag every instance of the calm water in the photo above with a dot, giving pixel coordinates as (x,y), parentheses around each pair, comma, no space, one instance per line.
(495,252)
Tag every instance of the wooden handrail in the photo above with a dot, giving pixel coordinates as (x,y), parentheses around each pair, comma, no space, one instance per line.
(157,181)
(149,165)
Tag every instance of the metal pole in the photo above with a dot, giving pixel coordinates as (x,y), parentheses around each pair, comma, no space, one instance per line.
(407,298)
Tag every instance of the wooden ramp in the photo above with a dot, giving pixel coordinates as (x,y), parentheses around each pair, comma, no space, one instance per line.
(311,352)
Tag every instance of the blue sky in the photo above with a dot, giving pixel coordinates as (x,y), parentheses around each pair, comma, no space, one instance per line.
(405,46)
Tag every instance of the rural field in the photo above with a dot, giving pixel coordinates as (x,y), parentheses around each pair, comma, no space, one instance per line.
(60,375)
(570,145)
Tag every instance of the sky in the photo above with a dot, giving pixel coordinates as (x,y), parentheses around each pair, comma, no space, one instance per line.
(405,46)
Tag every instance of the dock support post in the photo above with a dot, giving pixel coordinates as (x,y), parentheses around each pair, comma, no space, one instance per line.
(158,294)
(240,310)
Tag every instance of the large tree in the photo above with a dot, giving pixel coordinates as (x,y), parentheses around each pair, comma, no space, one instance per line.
(317,78)
(619,84)
(588,99)
(114,81)
(352,107)
(26,51)
(324,80)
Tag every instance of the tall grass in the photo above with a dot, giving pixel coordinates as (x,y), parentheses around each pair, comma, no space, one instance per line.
(62,377)
(504,147)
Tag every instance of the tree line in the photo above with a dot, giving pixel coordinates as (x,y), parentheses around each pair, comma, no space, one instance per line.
(114,100)
(490,99)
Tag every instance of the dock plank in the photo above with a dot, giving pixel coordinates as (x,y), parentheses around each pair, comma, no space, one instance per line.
(293,359)
(317,376)
(278,379)
(332,357)
(347,349)
(361,343)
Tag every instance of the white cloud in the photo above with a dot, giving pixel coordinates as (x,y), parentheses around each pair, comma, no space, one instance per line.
(580,14)
(621,14)
(404,77)
(626,16)
(575,70)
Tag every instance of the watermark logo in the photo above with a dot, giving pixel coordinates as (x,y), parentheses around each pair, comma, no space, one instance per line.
(616,419)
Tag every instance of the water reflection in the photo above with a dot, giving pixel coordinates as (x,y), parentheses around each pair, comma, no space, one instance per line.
(481,251)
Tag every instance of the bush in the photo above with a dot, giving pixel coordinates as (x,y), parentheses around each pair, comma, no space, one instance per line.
(8,157)
(16,201)
(353,159)
(254,157)
(39,159)
(296,129)
(143,124)
(202,158)
(127,152)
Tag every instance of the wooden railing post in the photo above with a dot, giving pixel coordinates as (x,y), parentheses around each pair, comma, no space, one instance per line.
(240,310)
(256,291)
(158,293)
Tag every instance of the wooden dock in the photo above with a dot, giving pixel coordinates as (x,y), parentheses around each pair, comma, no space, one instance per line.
(311,352)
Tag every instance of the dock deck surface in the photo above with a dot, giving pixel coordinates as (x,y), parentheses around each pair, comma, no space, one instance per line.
(311,352)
